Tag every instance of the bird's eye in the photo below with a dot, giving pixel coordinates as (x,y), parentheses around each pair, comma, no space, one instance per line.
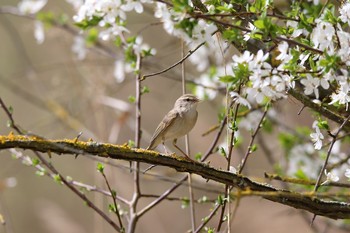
(187,99)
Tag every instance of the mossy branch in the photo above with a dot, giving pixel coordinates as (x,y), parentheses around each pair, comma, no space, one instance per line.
(330,209)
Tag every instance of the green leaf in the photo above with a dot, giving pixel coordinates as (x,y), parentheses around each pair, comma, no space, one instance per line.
(323,125)
(145,90)
(185,203)
(118,41)
(267,126)
(114,193)
(227,78)
(92,36)
(100,167)
(10,109)
(112,208)
(220,200)
(223,152)
(203,199)
(210,230)
(35,161)
(252,9)
(287,141)
(301,174)
(9,124)
(48,18)
(254,148)
(331,62)
(40,173)
(198,156)
(259,24)
(232,35)
(57,178)
(132,99)
(85,24)
(63,19)
(131,143)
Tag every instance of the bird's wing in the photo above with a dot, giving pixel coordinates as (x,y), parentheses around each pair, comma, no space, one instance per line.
(162,127)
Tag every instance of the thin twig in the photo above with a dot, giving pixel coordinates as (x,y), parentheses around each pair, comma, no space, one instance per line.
(113,194)
(329,153)
(174,65)
(229,155)
(12,123)
(137,192)
(251,142)
(64,181)
(187,142)
(177,198)
(207,219)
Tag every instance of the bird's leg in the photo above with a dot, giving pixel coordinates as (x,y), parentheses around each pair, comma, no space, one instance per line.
(174,144)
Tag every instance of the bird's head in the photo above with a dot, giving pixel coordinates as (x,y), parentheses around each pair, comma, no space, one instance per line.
(187,102)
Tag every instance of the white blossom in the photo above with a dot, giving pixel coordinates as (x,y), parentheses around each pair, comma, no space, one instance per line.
(108,11)
(76,3)
(112,32)
(342,95)
(133,5)
(251,121)
(31,6)
(300,159)
(315,2)
(207,87)
(240,99)
(317,137)
(233,170)
(169,18)
(347,173)
(311,85)
(245,57)
(10,182)
(247,35)
(283,49)
(202,31)
(322,36)
(79,47)
(296,32)
(39,33)
(344,40)
(330,177)
(119,71)
(264,81)
(345,13)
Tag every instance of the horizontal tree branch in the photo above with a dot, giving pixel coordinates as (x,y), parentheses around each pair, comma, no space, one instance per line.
(330,209)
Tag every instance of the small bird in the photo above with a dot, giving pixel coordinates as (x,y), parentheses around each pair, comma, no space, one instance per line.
(177,123)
